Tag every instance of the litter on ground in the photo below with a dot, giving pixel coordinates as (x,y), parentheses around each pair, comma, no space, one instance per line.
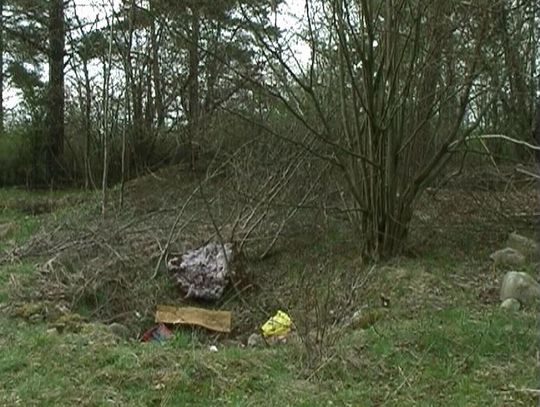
(279,325)
(219,321)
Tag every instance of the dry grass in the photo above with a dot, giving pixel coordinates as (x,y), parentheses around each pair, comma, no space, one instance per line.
(105,267)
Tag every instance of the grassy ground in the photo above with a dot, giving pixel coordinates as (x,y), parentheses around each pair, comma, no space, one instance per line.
(442,342)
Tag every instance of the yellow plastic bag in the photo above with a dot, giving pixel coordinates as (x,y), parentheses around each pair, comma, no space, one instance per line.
(279,325)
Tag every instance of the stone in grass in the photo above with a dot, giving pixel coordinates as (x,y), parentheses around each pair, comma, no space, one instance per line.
(511,304)
(255,340)
(521,287)
(364,318)
(507,257)
(524,245)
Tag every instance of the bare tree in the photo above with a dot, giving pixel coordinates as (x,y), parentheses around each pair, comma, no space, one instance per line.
(387,92)
(106,119)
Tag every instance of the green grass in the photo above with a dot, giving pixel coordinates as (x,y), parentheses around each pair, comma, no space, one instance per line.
(437,345)
(75,369)
(449,358)
(19,207)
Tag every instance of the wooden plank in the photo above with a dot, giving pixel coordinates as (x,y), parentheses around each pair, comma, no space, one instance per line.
(219,321)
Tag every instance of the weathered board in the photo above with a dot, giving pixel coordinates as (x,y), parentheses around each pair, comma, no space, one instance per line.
(219,321)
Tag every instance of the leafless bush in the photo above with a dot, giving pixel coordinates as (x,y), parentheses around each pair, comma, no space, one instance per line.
(326,302)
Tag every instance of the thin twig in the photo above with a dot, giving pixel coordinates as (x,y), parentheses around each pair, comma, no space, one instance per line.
(172,232)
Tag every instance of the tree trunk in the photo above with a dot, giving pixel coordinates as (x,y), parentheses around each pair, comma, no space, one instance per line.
(107,129)
(156,74)
(519,108)
(537,129)
(1,67)
(194,103)
(55,106)
(212,73)
(88,177)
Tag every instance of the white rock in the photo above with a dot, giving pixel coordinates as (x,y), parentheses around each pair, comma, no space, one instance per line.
(524,245)
(213,348)
(520,286)
(507,257)
(511,304)
(254,340)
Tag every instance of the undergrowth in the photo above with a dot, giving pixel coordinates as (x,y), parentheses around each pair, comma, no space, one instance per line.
(438,338)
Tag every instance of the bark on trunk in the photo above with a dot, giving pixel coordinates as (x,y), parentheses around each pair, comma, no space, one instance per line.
(1,67)
(55,106)
(156,74)
(194,104)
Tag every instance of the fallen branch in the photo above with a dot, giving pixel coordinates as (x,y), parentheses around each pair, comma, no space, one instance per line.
(496,136)
(522,170)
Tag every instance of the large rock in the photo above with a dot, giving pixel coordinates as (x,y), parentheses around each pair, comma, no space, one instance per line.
(511,304)
(507,257)
(524,245)
(520,286)
(203,273)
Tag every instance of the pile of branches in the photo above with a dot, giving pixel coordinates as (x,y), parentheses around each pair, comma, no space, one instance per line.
(104,268)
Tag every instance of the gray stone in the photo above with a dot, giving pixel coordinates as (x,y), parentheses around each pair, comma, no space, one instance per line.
(507,257)
(520,286)
(364,318)
(524,245)
(511,304)
(254,340)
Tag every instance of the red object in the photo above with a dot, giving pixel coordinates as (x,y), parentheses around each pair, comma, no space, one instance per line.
(158,333)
